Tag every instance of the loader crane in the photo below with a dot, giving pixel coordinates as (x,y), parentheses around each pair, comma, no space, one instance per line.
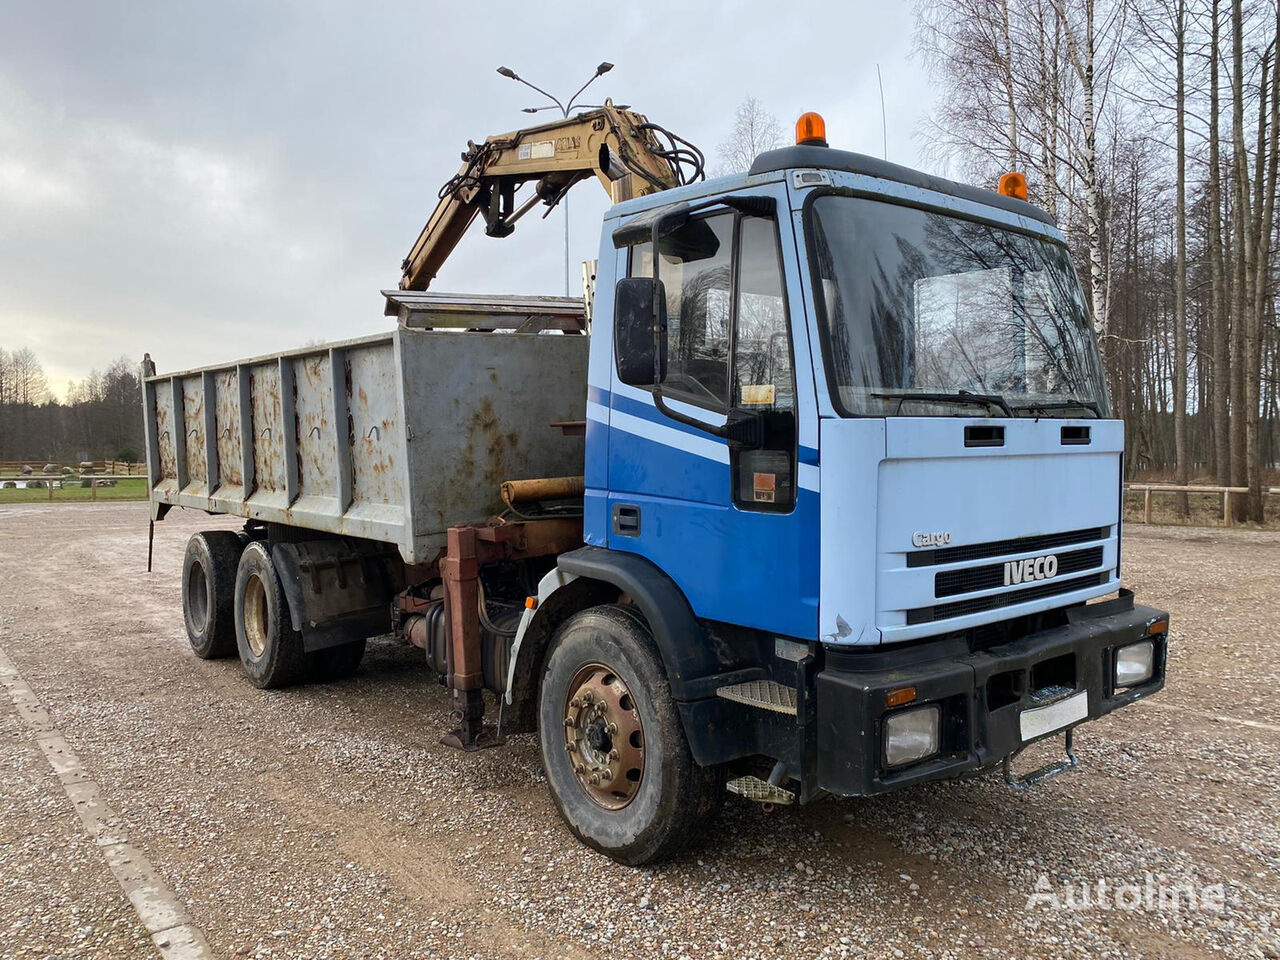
(630,156)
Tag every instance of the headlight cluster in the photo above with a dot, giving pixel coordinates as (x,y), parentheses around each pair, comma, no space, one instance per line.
(911,735)
(1135,663)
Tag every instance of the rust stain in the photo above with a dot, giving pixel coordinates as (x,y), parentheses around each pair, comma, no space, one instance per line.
(297,431)
(164,437)
(486,441)
(230,444)
(193,427)
(265,415)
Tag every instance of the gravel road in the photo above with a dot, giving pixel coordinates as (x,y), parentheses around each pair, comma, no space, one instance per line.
(327,821)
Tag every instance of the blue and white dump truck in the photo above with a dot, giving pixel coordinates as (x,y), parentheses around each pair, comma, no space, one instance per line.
(827,500)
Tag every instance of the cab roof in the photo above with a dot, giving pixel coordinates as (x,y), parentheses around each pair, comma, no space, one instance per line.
(825,158)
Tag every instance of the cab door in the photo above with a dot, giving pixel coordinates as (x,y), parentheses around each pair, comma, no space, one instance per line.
(734,526)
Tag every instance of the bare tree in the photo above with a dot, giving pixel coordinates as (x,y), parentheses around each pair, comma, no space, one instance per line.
(1162,27)
(1094,36)
(755,130)
(30,387)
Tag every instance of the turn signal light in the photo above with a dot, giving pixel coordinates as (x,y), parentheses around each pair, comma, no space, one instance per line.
(1157,627)
(530,603)
(896,698)
(811,130)
(1013,184)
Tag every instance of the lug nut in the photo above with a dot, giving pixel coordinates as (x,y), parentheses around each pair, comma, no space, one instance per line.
(568,721)
(606,775)
(588,697)
(575,703)
(595,779)
(612,729)
(613,754)
(571,746)
(579,769)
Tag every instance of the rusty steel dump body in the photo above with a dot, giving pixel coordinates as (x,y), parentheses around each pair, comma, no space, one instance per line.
(393,438)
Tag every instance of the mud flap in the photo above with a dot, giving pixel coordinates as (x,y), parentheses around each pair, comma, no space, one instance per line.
(339,591)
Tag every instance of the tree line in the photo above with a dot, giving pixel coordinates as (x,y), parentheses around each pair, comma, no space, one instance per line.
(1151,130)
(101,418)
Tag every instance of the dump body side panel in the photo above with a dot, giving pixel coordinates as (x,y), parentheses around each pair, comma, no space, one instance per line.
(480,409)
(392,438)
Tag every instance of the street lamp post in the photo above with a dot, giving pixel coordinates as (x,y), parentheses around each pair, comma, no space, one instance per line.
(564,109)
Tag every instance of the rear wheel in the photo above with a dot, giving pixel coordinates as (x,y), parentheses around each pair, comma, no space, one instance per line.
(270,649)
(208,592)
(619,767)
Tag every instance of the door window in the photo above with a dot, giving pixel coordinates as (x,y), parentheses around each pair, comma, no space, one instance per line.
(697,274)
(729,344)
(763,377)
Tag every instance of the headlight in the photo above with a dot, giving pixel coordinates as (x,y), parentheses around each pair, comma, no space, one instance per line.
(911,735)
(1135,663)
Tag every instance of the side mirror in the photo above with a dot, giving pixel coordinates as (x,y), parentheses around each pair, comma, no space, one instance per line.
(634,344)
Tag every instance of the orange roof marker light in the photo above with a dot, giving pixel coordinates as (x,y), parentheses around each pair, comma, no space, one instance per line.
(1013,184)
(811,130)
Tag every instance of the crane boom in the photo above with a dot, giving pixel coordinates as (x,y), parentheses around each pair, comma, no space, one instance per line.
(620,148)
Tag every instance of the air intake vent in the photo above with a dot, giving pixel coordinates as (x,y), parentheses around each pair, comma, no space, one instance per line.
(988,577)
(999,548)
(960,608)
(983,436)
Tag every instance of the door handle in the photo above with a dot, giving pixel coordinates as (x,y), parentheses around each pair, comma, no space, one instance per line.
(626,520)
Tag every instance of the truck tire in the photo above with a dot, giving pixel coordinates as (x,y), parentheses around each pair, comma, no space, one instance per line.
(336,663)
(617,762)
(208,592)
(270,649)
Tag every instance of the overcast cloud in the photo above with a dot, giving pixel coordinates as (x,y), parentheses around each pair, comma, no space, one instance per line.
(213,181)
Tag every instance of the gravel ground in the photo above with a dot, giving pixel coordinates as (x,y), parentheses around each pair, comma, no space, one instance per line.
(327,821)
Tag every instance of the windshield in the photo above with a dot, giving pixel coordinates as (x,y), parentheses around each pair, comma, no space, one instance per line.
(926,314)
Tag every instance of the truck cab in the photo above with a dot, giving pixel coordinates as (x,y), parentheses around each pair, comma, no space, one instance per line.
(849,451)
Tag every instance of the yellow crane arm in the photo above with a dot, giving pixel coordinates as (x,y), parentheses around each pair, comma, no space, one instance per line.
(617,146)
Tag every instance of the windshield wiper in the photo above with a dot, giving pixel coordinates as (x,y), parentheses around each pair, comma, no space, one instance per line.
(960,396)
(1090,405)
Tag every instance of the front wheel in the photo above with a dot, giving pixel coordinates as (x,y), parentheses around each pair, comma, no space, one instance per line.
(617,761)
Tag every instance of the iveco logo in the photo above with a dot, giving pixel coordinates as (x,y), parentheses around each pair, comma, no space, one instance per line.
(1033,568)
(939,539)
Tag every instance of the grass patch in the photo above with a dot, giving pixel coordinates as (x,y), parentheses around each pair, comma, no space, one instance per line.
(73,492)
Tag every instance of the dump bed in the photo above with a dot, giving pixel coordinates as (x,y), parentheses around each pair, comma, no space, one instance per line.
(394,437)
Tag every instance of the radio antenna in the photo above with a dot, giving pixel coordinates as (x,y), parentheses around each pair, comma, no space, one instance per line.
(884,124)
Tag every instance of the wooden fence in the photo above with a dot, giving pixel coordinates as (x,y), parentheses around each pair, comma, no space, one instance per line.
(1147,489)
(12,468)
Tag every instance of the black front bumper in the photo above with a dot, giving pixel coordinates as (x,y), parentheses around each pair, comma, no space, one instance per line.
(981,694)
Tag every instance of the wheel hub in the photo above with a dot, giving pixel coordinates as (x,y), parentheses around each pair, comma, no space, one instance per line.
(198,595)
(255,615)
(604,737)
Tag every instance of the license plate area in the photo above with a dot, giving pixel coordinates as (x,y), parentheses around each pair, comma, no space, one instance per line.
(1038,721)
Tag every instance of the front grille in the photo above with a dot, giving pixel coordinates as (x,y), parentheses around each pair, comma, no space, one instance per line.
(970,579)
(960,608)
(996,548)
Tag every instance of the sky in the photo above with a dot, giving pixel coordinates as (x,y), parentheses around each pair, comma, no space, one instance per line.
(212,181)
